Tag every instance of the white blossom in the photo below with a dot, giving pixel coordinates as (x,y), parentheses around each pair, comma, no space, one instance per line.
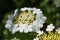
(26,31)
(30,28)
(39,32)
(7,25)
(50,27)
(14,30)
(29,9)
(23,9)
(15,12)
(10,17)
(20,29)
(9,22)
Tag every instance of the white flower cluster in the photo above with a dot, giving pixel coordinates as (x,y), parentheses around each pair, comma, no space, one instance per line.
(33,27)
(50,27)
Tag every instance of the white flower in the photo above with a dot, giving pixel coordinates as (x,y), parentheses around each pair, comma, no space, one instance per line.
(15,12)
(7,25)
(39,32)
(32,27)
(10,17)
(14,30)
(34,8)
(36,38)
(43,18)
(58,30)
(14,38)
(20,29)
(29,9)
(50,27)
(23,28)
(26,31)
(37,11)
(23,9)
(9,22)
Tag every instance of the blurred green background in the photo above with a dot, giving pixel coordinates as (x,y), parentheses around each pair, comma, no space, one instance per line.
(50,9)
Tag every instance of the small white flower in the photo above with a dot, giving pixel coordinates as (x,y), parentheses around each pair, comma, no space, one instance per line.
(36,38)
(30,28)
(10,17)
(39,32)
(58,30)
(50,27)
(26,30)
(15,12)
(34,8)
(43,18)
(15,25)
(9,22)
(29,9)
(38,10)
(7,25)
(23,9)
(20,29)
(34,12)
(14,29)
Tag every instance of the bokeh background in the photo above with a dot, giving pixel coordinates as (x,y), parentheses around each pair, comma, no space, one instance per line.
(50,9)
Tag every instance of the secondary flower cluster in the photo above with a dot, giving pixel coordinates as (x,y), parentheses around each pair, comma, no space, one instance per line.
(48,29)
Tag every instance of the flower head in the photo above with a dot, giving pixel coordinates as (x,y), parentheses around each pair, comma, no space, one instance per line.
(25,20)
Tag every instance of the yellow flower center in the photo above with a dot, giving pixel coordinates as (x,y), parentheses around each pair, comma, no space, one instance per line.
(50,36)
(24,18)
